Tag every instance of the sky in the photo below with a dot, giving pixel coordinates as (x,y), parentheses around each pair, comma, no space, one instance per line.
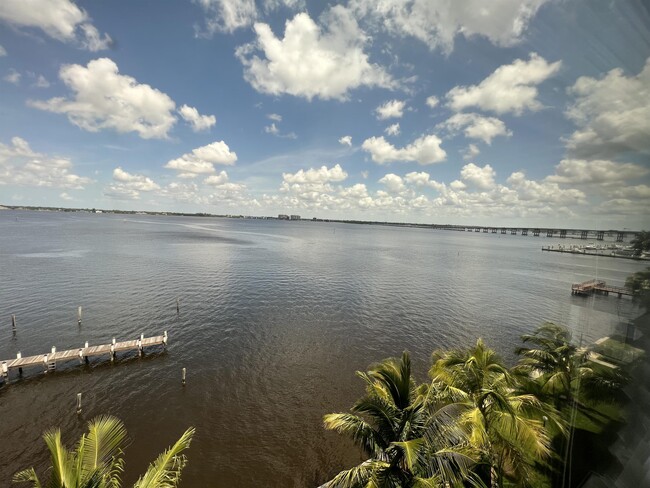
(509,112)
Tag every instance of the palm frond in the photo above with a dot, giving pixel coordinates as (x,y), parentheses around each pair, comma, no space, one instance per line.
(359,476)
(100,449)
(63,463)
(27,476)
(165,471)
(411,452)
(360,431)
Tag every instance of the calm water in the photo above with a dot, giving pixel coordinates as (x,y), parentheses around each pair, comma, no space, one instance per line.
(275,318)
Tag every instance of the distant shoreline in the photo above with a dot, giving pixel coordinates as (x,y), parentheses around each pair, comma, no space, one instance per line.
(447,226)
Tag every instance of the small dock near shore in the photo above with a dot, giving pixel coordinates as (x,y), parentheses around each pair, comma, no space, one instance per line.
(49,360)
(598,286)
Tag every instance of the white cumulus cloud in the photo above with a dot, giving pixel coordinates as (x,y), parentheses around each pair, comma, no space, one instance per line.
(325,61)
(471,152)
(393,183)
(127,186)
(512,88)
(424,150)
(60,19)
(476,126)
(274,130)
(432,101)
(390,109)
(20,165)
(316,175)
(134,181)
(392,130)
(105,99)
(346,141)
(601,172)
(202,160)
(228,15)
(612,115)
(438,22)
(217,180)
(197,121)
(481,178)
(544,191)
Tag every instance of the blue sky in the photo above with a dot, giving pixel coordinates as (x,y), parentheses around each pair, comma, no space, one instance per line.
(512,112)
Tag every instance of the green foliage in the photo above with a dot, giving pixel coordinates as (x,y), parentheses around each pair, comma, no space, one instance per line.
(639,283)
(409,443)
(96,461)
(564,373)
(641,242)
(504,425)
(477,423)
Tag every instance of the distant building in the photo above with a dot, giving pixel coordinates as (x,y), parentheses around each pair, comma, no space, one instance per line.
(283,217)
(295,217)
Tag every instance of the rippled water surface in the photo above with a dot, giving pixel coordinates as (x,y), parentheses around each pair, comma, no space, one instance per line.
(275,317)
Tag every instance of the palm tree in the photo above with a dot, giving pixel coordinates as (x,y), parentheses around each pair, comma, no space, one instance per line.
(559,372)
(407,443)
(563,370)
(505,426)
(96,461)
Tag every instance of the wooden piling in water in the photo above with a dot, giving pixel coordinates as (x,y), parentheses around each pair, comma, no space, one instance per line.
(183,376)
(78,403)
(79,315)
(178,306)
(13,321)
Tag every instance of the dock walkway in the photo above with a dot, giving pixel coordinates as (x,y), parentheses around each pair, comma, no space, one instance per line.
(598,286)
(49,361)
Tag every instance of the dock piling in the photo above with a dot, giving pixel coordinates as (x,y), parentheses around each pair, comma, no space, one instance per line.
(78,403)
(79,315)
(13,321)
(178,306)
(183,376)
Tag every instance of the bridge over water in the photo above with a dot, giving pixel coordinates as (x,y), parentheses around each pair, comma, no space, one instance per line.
(599,235)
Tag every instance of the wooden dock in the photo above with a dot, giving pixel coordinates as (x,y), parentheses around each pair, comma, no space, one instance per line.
(49,361)
(598,286)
